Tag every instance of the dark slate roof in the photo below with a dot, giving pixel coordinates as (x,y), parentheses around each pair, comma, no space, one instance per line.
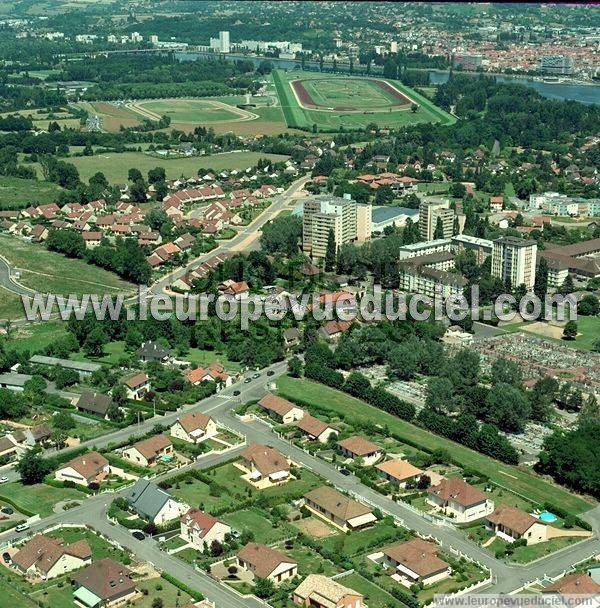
(146,498)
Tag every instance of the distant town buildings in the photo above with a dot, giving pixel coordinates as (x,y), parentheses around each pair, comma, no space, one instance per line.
(559,65)
(221,44)
(513,261)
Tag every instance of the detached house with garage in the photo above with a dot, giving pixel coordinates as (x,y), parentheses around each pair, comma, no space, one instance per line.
(265,562)
(194,427)
(459,500)
(201,529)
(416,561)
(399,472)
(102,584)
(318,591)
(48,557)
(147,452)
(357,447)
(338,509)
(137,386)
(94,403)
(315,429)
(84,470)
(152,503)
(280,409)
(263,463)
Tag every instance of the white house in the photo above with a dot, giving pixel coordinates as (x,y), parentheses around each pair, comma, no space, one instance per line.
(152,503)
(147,452)
(201,529)
(315,429)
(85,469)
(265,562)
(194,427)
(137,386)
(281,409)
(459,500)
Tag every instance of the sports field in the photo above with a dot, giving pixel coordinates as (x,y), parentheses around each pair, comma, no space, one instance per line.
(191,111)
(335,102)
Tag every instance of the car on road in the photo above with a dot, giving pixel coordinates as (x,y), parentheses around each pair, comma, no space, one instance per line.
(6,510)
(236,393)
(255,376)
(270,372)
(3,479)
(246,380)
(138,535)
(6,557)
(22,528)
(345,472)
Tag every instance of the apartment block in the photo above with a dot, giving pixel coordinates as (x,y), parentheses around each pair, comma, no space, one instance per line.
(429,213)
(514,259)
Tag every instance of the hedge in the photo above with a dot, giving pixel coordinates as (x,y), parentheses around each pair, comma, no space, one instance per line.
(177,583)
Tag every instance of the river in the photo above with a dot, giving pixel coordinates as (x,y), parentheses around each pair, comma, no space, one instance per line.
(585,93)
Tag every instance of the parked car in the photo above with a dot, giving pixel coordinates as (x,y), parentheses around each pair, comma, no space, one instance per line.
(22,528)
(256,376)
(138,535)
(6,557)
(270,372)
(246,380)
(236,393)
(3,479)
(7,510)
(345,472)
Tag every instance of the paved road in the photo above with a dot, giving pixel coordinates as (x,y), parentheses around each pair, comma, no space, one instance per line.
(220,406)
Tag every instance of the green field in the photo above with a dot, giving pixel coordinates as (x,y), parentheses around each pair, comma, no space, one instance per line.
(515,478)
(18,193)
(38,498)
(189,110)
(365,103)
(51,272)
(115,166)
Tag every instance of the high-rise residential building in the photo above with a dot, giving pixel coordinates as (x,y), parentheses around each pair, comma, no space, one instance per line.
(556,64)
(349,221)
(224,45)
(513,260)
(393,47)
(429,214)
(153,39)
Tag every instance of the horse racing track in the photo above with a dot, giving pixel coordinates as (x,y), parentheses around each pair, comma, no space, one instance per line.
(348,94)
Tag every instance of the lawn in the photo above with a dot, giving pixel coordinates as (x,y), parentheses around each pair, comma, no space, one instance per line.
(255,521)
(50,272)
(115,166)
(358,543)
(205,357)
(100,547)
(113,353)
(37,498)
(519,480)
(350,102)
(11,306)
(523,555)
(189,110)
(375,597)
(18,193)
(309,561)
(36,336)
(159,587)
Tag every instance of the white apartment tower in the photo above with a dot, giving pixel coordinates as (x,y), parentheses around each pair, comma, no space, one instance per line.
(349,220)
(429,212)
(224,45)
(513,259)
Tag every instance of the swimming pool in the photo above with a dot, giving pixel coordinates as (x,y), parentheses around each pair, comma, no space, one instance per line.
(547,517)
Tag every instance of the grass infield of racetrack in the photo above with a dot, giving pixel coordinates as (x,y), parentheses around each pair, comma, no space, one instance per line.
(189,110)
(333,102)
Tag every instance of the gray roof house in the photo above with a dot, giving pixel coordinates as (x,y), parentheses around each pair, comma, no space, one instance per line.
(152,351)
(94,403)
(152,503)
(83,368)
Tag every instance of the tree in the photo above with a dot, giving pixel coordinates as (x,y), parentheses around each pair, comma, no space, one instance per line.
(540,287)
(32,467)
(137,192)
(134,175)
(94,343)
(570,331)
(330,253)
(508,408)
(507,372)
(263,587)
(438,233)
(157,602)
(295,367)
(413,107)
(440,395)
(65,377)
(156,175)
(567,287)
(216,548)
(589,306)
(63,421)
(589,414)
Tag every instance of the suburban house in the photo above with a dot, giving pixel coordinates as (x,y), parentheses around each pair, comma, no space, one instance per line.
(416,561)
(103,583)
(200,529)
(291,337)
(576,584)
(399,472)
(152,503)
(315,429)
(459,500)
(357,447)
(215,372)
(265,562)
(85,469)
(194,427)
(237,289)
(146,452)
(49,557)
(151,352)
(94,403)
(9,446)
(280,409)
(263,462)
(37,434)
(137,386)
(338,509)
(322,592)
